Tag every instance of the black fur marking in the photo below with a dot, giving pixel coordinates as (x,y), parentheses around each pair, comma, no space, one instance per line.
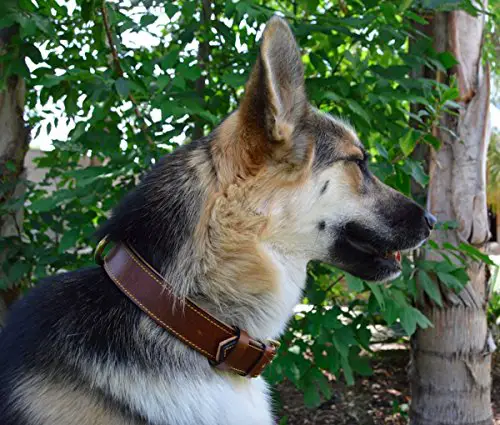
(77,312)
(360,250)
(325,186)
(160,215)
(69,321)
(327,135)
(321,225)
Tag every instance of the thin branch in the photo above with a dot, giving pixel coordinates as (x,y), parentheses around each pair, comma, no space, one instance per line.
(334,283)
(203,59)
(119,71)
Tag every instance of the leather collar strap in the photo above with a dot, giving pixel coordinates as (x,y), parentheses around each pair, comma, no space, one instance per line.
(225,347)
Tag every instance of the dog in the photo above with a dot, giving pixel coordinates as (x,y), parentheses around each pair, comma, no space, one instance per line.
(229,221)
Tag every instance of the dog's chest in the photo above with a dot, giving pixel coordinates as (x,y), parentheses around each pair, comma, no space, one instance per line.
(291,273)
(176,400)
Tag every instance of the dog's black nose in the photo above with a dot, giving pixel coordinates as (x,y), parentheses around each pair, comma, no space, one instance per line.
(430,219)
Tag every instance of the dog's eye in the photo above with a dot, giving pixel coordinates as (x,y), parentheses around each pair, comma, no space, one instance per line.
(363,162)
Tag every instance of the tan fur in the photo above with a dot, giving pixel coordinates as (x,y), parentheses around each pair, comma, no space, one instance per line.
(44,402)
(353,176)
(204,171)
(349,147)
(239,150)
(232,226)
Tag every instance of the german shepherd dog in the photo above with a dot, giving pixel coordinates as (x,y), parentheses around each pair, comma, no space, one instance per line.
(230,221)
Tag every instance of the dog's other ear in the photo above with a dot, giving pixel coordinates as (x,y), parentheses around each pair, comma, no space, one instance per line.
(275,99)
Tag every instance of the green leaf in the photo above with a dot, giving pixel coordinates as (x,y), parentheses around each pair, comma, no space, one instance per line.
(346,368)
(332,96)
(360,364)
(163,81)
(358,110)
(422,321)
(189,72)
(451,281)
(354,283)
(209,117)
(10,166)
(122,87)
(88,7)
(433,141)
(391,312)
(408,320)
(417,18)
(395,72)
(325,388)
(283,420)
(44,204)
(333,359)
(51,80)
(364,335)
(314,294)
(293,373)
(311,396)
(375,288)
(382,150)
(330,319)
(430,287)
(416,170)
(451,94)
(17,271)
(68,240)
(169,60)
(408,142)
(475,253)
(148,20)
(234,80)
(405,4)
(179,82)
(170,9)
(447,59)
(342,339)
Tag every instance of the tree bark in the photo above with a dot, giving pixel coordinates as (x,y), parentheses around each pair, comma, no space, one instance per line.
(451,363)
(14,141)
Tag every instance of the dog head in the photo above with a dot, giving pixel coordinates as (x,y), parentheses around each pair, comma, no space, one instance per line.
(304,175)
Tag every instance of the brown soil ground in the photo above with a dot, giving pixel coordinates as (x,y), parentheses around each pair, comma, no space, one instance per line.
(379,399)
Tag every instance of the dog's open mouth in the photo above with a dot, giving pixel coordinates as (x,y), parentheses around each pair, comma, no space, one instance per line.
(370,261)
(375,253)
(369,255)
(396,256)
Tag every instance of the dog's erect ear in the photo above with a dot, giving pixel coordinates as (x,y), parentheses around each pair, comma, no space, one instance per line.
(275,99)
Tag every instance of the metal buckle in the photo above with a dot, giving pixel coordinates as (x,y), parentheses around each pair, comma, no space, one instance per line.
(274,343)
(99,249)
(225,347)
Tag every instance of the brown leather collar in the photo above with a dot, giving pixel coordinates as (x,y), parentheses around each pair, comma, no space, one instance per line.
(225,347)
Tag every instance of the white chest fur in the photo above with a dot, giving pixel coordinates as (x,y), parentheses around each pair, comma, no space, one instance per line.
(291,282)
(223,399)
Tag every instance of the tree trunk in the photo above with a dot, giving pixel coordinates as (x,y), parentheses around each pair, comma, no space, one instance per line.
(450,364)
(14,140)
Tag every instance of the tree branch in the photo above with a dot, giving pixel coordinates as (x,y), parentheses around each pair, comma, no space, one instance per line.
(119,71)
(203,54)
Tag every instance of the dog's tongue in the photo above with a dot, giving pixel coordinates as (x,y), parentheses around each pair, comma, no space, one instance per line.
(397,256)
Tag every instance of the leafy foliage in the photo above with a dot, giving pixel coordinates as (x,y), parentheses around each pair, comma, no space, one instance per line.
(129,104)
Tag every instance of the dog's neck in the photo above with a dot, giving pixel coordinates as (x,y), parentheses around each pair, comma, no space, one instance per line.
(253,285)
(263,314)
